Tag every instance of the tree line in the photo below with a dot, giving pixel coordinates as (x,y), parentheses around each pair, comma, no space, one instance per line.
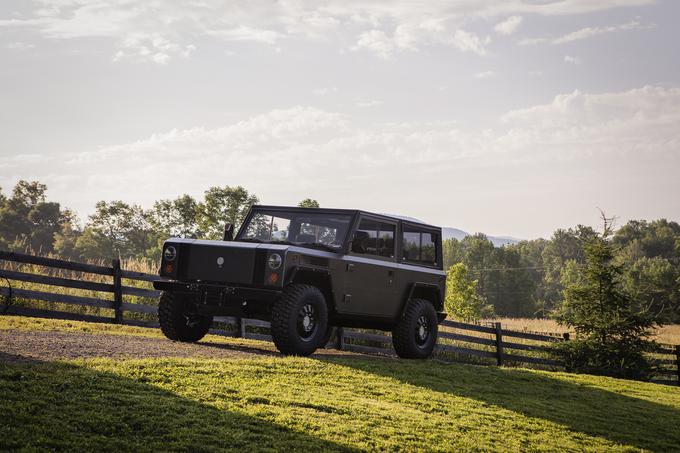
(527,279)
(30,223)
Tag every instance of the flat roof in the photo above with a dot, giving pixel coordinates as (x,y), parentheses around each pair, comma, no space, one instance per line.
(349,212)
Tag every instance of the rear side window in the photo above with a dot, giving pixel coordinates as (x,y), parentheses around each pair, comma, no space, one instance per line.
(419,246)
(374,238)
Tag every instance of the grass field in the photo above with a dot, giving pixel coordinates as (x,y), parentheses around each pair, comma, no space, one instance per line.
(669,334)
(269,402)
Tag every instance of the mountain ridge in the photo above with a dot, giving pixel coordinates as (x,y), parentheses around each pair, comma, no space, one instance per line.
(456,233)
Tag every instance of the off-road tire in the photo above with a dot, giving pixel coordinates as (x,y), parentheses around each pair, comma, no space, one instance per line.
(286,320)
(177,323)
(405,336)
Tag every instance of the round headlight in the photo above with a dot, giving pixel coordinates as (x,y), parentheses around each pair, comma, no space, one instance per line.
(170,253)
(274,262)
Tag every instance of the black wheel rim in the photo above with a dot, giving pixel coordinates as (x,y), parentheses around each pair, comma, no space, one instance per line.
(192,320)
(422,330)
(307,324)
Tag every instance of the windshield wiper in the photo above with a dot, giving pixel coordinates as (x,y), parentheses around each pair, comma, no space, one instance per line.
(318,245)
(249,240)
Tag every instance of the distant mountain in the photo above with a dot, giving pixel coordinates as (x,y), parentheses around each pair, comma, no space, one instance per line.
(455,233)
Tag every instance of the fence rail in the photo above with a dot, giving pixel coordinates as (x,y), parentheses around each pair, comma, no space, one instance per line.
(480,342)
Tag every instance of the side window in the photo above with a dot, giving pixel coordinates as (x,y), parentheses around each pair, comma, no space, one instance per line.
(386,240)
(374,238)
(427,248)
(419,246)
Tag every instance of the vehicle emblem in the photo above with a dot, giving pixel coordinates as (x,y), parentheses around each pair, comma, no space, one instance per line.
(220,262)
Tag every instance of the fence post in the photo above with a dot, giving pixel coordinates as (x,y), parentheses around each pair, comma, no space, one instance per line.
(341,338)
(237,326)
(242,327)
(677,361)
(117,291)
(499,343)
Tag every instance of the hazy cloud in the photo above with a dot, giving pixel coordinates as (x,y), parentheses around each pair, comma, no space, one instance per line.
(484,74)
(300,144)
(19,46)
(383,28)
(509,25)
(585,33)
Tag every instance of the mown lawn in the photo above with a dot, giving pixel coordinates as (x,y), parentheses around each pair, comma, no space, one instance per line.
(329,403)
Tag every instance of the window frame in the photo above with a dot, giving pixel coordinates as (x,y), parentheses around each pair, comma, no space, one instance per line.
(421,229)
(378,221)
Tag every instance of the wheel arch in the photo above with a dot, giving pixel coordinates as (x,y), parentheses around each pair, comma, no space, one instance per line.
(425,291)
(320,278)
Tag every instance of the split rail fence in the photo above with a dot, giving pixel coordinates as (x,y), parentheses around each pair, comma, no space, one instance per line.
(123,300)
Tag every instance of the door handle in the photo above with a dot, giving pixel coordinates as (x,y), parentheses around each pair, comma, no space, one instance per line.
(350,267)
(390,275)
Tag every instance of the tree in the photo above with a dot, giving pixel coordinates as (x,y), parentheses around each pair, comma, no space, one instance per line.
(223,205)
(462,301)
(612,331)
(308,203)
(66,239)
(565,245)
(176,218)
(27,220)
(116,229)
(653,283)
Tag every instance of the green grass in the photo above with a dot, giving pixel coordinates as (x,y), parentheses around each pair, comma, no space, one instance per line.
(329,403)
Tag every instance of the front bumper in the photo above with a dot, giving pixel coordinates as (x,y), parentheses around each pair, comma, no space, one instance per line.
(223,299)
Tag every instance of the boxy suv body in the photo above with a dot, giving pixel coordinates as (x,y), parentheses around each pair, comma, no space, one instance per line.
(306,270)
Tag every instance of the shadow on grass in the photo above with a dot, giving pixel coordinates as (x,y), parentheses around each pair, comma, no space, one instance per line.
(59,406)
(579,407)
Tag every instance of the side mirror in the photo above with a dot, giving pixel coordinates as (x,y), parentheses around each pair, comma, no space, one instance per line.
(228,232)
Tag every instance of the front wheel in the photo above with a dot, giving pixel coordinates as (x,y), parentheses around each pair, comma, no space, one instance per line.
(299,320)
(178,322)
(415,335)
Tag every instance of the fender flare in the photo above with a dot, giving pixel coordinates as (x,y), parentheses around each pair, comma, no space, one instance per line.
(429,287)
(323,273)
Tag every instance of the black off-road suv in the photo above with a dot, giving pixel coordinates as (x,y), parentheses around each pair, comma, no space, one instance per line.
(306,270)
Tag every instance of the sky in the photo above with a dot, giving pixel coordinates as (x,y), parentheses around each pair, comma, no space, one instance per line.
(510,117)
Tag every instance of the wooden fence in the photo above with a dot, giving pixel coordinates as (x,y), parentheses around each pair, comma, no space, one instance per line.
(486,344)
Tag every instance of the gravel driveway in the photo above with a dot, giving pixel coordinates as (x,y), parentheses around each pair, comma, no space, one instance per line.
(26,345)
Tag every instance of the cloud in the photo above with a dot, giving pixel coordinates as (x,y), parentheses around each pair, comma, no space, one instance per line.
(466,41)
(377,42)
(572,60)
(283,153)
(19,46)
(588,32)
(369,103)
(484,74)
(151,47)
(509,25)
(242,33)
(622,125)
(324,91)
(585,33)
(383,28)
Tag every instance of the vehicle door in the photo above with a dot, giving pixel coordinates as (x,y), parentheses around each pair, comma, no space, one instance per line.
(370,277)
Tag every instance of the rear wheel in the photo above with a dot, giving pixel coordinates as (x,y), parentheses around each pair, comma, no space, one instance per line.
(178,321)
(415,335)
(299,320)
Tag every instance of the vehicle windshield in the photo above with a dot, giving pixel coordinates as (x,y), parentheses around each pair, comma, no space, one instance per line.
(317,229)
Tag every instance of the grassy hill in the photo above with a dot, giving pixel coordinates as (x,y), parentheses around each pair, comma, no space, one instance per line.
(264,401)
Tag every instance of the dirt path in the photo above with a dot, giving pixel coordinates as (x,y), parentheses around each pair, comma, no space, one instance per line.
(23,345)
